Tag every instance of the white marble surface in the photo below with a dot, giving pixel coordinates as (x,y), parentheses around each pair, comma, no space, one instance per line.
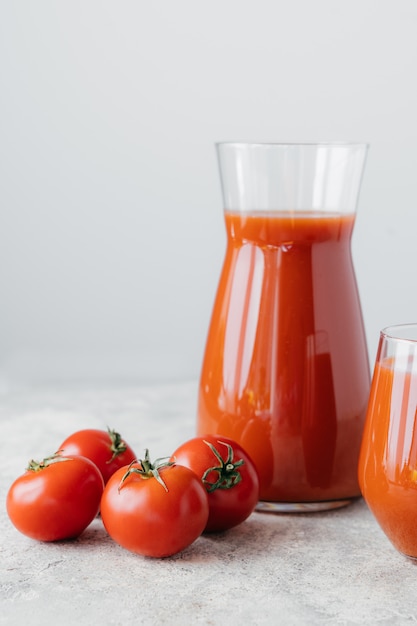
(322,568)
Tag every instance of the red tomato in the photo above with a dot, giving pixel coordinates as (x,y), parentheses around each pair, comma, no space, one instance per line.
(154,510)
(55,499)
(105,448)
(229,475)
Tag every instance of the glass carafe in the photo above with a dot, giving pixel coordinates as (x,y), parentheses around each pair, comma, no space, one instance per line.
(285,370)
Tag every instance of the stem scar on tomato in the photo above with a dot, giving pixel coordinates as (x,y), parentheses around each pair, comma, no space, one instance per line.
(227,471)
(147,469)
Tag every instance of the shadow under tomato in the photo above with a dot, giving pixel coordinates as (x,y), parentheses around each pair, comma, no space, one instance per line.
(93,534)
(254,536)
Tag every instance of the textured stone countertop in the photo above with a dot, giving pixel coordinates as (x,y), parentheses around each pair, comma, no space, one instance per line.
(318,568)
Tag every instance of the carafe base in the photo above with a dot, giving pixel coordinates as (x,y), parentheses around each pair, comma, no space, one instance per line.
(301,507)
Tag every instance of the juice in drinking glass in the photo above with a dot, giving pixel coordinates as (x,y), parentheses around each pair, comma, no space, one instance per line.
(388,458)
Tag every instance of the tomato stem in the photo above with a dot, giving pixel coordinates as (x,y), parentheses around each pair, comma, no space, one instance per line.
(118,446)
(37,466)
(147,469)
(227,471)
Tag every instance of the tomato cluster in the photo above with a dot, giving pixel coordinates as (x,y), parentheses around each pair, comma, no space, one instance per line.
(157,509)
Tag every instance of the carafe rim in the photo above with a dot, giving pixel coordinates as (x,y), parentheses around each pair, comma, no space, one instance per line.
(289,144)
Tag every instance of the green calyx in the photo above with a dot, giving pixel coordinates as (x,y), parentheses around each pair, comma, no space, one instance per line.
(228,475)
(37,466)
(117,445)
(147,469)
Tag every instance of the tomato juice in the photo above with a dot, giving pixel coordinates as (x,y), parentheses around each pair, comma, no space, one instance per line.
(286,370)
(388,458)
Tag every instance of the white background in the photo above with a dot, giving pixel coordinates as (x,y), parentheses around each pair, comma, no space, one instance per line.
(111,233)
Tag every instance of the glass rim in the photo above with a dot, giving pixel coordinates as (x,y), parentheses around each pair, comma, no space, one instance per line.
(400,332)
(293,144)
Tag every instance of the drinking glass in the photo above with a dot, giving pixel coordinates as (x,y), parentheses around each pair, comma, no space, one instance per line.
(388,457)
(285,370)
